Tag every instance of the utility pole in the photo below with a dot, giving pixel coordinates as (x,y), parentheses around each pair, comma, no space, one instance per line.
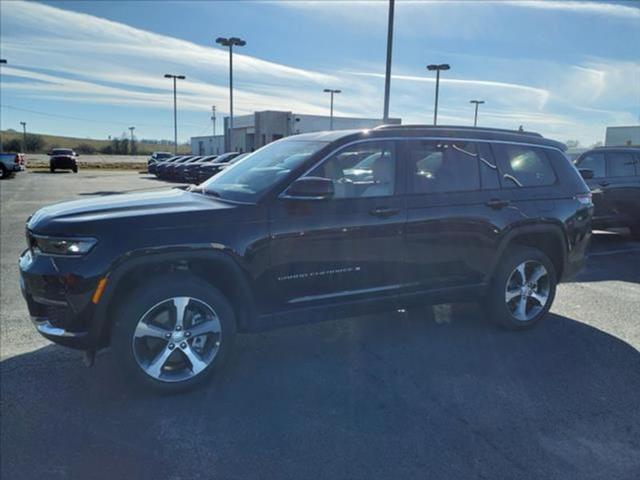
(131,144)
(175,110)
(332,92)
(475,115)
(213,119)
(437,68)
(24,136)
(387,76)
(230,42)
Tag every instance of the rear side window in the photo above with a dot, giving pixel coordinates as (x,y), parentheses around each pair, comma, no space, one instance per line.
(442,166)
(621,164)
(594,161)
(524,166)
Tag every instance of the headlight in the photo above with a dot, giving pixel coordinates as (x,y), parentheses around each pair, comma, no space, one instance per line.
(62,246)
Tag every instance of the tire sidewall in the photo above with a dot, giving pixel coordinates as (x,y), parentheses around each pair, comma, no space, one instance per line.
(497,306)
(152,293)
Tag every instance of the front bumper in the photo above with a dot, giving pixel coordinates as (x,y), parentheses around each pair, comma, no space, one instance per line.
(59,305)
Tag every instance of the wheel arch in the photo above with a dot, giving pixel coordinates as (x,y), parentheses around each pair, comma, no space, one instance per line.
(548,238)
(216,268)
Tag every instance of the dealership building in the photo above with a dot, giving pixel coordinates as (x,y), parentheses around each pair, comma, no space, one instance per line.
(259,128)
(618,136)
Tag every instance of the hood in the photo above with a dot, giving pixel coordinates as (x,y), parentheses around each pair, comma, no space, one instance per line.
(159,209)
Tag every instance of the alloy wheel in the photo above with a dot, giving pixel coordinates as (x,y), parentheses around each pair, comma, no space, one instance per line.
(177,339)
(528,290)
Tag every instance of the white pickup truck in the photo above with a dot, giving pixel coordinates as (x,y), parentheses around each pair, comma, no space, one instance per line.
(11,163)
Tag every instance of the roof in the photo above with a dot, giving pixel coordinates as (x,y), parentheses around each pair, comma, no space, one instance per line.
(442,131)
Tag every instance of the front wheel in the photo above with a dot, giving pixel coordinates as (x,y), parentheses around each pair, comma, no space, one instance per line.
(75,169)
(172,333)
(3,172)
(522,289)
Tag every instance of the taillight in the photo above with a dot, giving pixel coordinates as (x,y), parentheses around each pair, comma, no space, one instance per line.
(17,160)
(584,198)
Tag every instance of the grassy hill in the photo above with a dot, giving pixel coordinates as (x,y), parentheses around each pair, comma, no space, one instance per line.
(53,141)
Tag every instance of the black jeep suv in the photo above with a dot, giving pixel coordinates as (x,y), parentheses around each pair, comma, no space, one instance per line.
(310,227)
(613,174)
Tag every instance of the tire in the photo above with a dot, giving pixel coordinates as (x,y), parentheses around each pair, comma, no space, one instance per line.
(507,295)
(3,172)
(635,231)
(157,299)
(75,169)
(52,169)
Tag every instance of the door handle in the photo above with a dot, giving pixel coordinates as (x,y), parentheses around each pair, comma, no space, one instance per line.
(497,204)
(384,212)
(604,183)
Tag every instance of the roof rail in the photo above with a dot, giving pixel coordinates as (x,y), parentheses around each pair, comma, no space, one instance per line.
(454,127)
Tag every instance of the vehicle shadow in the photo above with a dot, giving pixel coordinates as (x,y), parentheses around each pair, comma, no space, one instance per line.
(48,172)
(612,247)
(386,396)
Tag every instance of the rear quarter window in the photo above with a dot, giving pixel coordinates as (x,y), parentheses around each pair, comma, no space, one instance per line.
(621,164)
(524,166)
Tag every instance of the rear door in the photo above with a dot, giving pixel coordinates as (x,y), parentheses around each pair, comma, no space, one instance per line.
(456,211)
(623,189)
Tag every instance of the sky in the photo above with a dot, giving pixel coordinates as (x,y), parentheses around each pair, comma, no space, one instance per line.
(566,69)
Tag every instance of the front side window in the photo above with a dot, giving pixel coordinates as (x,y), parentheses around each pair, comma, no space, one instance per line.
(247,179)
(621,164)
(366,169)
(595,162)
(525,166)
(442,166)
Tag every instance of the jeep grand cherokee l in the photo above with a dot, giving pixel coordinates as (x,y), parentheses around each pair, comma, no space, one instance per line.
(285,236)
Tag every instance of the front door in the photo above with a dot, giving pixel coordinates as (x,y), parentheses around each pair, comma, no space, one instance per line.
(345,248)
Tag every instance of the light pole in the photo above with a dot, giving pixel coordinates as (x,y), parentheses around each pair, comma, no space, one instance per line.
(131,144)
(475,115)
(437,68)
(24,136)
(175,110)
(213,119)
(332,92)
(387,75)
(230,42)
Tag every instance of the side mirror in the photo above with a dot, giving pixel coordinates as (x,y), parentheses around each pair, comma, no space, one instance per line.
(586,173)
(310,188)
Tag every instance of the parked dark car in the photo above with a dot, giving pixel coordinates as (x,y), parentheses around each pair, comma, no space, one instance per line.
(209,169)
(184,172)
(153,166)
(63,159)
(190,171)
(613,175)
(174,172)
(10,163)
(284,236)
(158,157)
(161,170)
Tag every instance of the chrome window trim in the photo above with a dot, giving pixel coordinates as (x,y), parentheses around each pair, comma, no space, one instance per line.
(405,138)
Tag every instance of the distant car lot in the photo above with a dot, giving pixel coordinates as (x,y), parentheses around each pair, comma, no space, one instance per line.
(437,390)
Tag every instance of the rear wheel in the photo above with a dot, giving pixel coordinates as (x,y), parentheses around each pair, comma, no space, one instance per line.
(3,172)
(522,289)
(75,169)
(172,333)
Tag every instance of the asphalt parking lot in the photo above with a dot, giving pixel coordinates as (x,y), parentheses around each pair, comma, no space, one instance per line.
(435,393)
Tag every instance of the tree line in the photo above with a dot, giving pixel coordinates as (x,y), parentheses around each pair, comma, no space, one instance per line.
(36,144)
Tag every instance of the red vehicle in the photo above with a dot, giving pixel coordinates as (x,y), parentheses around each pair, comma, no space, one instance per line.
(11,163)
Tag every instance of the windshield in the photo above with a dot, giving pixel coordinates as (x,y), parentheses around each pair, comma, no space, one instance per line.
(61,151)
(245,180)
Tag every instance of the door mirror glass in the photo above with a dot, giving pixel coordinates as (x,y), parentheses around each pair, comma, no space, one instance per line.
(311,188)
(586,173)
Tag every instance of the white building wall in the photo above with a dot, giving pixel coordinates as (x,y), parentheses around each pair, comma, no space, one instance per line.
(617,136)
